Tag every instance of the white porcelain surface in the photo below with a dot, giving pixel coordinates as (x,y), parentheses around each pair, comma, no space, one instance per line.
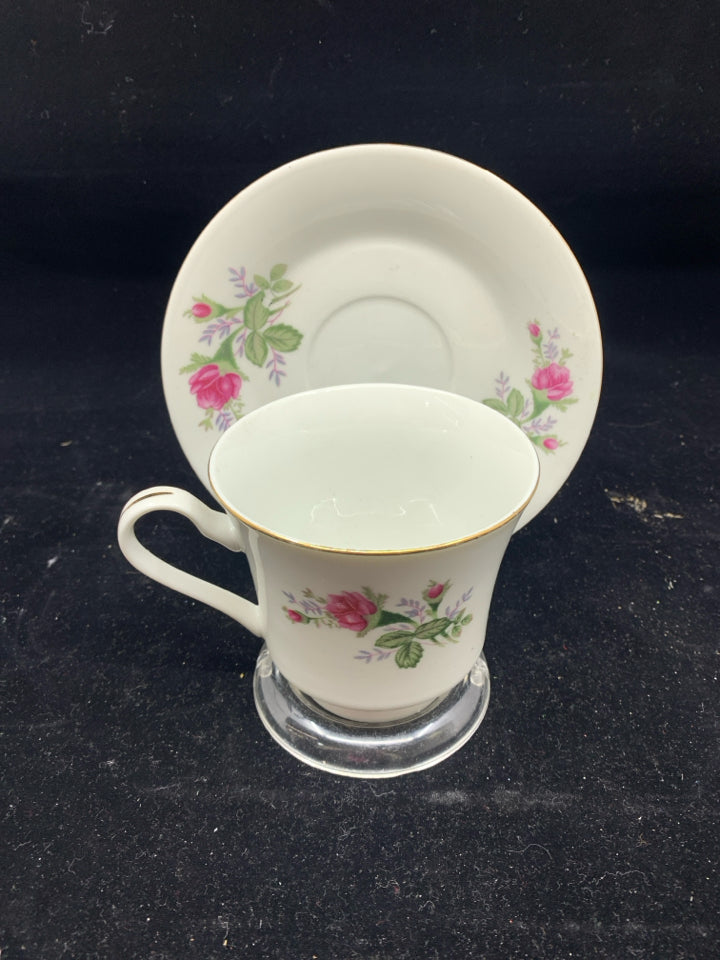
(384,263)
(373,467)
(375,518)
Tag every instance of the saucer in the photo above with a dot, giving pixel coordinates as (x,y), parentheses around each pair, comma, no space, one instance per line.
(388,263)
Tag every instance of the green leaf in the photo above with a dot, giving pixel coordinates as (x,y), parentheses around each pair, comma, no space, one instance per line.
(396,638)
(387,617)
(261,282)
(379,599)
(225,355)
(283,296)
(235,407)
(256,313)
(431,629)
(564,404)
(515,403)
(541,402)
(374,620)
(281,286)
(498,405)
(279,271)
(283,337)
(409,655)
(256,349)
(466,620)
(311,595)
(197,360)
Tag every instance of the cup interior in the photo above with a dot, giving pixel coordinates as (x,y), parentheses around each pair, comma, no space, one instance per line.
(374,468)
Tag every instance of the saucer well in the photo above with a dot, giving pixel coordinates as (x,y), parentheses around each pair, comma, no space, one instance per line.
(382,262)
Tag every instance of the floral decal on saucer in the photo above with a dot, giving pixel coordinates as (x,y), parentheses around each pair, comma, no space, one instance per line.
(551,389)
(417,623)
(249,330)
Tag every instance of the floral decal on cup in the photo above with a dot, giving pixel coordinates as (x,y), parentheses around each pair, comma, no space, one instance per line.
(551,389)
(249,330)
(417,623)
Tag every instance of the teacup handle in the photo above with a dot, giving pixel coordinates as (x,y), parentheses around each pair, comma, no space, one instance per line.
(213,524)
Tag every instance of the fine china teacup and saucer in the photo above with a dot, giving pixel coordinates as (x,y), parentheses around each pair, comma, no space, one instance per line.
(390,360)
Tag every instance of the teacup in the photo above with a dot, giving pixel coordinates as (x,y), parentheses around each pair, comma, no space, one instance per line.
(374,518)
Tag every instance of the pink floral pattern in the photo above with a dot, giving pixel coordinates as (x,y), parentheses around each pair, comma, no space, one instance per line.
(214,389)
(555,379)
(551,391)
(416,623)
(351,609)
(248,330)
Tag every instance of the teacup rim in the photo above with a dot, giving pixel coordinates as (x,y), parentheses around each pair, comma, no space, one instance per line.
(375,552)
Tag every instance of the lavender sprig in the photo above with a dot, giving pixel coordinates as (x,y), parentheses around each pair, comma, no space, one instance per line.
(238,278)
(220,328)
(502,385)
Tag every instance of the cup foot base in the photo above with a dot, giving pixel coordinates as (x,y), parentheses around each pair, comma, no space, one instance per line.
(354,749)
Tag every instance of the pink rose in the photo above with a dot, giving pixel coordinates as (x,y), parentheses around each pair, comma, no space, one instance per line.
(201,310)
(295,616)
(550,443)
(555,379)
(350,609)
(534,329)
(214,389)
(434,592)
